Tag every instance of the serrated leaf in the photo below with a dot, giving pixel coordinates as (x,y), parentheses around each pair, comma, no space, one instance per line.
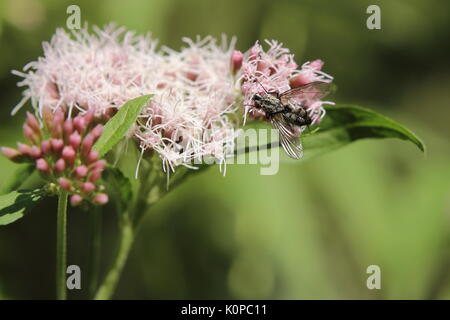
(17,178)
(344,124)
(13,205)
(117,127)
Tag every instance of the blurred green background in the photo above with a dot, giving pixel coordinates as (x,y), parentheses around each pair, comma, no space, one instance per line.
(308,232)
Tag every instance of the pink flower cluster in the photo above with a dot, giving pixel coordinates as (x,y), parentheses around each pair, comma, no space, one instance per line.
(276,71)
(193,89)
(62,152)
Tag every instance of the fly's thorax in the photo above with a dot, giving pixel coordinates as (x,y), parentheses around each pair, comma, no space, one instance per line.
(270,104)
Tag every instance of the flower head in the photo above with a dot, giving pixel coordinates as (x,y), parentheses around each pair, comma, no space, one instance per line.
(193,89)
(275,70)
(62,153)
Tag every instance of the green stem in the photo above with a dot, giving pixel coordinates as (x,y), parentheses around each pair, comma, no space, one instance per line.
(126,239)
(95,218)
(61,240)
(128,224)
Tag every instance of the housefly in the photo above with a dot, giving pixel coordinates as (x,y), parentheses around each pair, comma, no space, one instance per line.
(287,110)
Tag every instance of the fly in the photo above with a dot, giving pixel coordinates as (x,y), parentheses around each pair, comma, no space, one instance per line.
(287,110)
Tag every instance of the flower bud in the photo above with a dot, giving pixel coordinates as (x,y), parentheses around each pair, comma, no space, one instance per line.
(92,156)
(35,152)
(75,199)
(88,141)
(316,64)
(236,60)
(75,140)
(80,171)
(57,145)
(32,122)
(88,117)
(57,124)
(65,184)
(67,128)
(79,123)
(101,198)
(97,131)
(29,134)
(46,146)
(11,154)
(24,149)
(95,175)
(68,154)
(60,165)
(42,165)
(100,164)
(87,187)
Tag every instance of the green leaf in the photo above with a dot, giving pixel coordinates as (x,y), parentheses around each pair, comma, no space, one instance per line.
(14,204)
(17,178)
(344,124)
(117,127)
(118,186)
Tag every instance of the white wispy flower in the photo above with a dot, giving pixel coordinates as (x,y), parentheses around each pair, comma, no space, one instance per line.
(193,89)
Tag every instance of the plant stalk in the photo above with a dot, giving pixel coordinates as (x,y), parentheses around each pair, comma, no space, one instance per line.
(61,246)
(126,239)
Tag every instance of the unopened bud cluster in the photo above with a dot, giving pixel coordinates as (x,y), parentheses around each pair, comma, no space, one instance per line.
(63,154)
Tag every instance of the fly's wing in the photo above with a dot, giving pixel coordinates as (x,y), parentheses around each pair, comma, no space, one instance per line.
(305,94)
(288,140)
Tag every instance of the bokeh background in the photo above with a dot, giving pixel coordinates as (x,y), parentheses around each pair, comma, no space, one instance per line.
(308,232)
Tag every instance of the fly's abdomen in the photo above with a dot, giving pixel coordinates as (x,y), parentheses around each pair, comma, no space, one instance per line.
(297,118)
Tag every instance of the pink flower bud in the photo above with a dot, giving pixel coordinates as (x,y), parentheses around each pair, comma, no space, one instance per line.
(97,131)
(60,165)
(65,184)
(100,164)
(68,128)
(68,154)
(35,152)
(29,134)
(87,187)
(75,140)
(46,146)
(24,149)
(79,123)
(88,117)
(42,165)
(75,199)
(101,198)
(316,64)
(92,156)
(80,171)
(95,175)
(57,124)
(236,60)
(11,154)
(57,145)
(32,122)
(87,144)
